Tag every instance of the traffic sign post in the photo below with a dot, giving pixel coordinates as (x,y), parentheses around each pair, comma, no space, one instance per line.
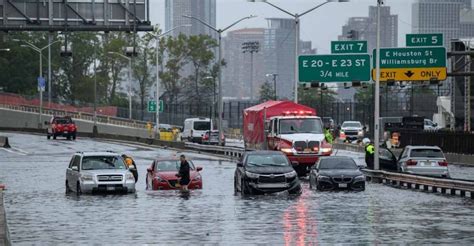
(412,64)
(41,84)
(348,47)
(428,39)
(334,68)
(152,106)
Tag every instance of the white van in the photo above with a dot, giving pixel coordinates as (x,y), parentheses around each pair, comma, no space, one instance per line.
(195,128)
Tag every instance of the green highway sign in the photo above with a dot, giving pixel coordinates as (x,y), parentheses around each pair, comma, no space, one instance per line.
(334,68)
(428,39)
(412,57)
(346,47)
(152,106)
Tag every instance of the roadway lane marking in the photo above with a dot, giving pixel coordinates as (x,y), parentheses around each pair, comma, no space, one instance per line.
(15,152)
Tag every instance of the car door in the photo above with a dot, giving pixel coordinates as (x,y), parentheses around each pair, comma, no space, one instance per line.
(387,160)
(150,175)
(69,173)
(402,159)
(75,171)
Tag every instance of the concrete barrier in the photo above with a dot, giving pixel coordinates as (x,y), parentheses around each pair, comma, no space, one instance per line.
(4,233)
(4,142)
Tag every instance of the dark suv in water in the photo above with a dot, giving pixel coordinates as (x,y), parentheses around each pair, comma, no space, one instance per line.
(336,172)
(260,172)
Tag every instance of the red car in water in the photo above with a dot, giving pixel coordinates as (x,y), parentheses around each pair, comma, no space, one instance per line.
(161,175)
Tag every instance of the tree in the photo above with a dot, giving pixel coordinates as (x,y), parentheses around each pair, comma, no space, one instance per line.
(141,69)
(267,92)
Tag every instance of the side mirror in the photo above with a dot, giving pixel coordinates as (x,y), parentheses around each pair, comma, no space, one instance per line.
(435,124)
(240,164)
(198,169)
(364,128)
(295,163)
(149,170)
(75,168)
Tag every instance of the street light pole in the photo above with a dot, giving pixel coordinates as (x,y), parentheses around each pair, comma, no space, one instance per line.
(297,35)
(40,52)
(219,32)
(129,81)
(377,91)
(157,47)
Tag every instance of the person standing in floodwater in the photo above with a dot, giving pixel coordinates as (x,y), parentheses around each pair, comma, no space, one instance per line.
(184,173)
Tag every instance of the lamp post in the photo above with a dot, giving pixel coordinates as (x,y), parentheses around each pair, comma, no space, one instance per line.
(40,52)
(297,35)
(377,91)
(219,32)
(274,75)
(129,81)
(157,47)
(251,47)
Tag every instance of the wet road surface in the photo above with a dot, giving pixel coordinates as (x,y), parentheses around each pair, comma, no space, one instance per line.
(39,212)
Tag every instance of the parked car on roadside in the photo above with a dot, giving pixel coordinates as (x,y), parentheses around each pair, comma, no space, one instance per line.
(352,130)
(212,138)
(90,172)
(161,175)
(60,126)
(336,172)
(260,172)
(423,160)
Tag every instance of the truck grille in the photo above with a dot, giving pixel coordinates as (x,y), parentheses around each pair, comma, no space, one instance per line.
(109,178)
(272,179)
(301,146)
(351,133)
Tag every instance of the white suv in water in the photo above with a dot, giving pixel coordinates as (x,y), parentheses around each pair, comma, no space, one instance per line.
(90,172)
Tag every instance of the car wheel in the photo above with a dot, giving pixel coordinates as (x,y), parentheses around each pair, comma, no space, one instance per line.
(78,189)
(295,191)
(74,136)
(244,189)
(319,187)
(68,190)
(68,137)
(54,137)
(48,136)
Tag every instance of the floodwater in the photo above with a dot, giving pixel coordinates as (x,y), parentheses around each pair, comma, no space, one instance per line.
(39,211)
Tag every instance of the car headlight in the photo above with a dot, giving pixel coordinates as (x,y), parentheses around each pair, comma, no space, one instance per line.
(291,174)
(320,177)
(159,179)
(326,150)
(87,177)
(251,175)
(361,132)
(130,177)
(360,177)
(197,178)
(287,150)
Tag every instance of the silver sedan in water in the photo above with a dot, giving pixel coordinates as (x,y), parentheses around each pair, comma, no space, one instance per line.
(423,160)
(90,172)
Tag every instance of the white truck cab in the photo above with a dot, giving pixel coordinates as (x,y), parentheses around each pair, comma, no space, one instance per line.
(195,128)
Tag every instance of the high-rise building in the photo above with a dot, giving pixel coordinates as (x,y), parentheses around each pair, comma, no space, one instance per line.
(440,16)
(201,9)
(236,74)
(278,47)
(365,28)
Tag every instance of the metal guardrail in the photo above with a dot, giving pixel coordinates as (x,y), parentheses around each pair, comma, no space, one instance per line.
(236,152)
(435,185)
(79,115)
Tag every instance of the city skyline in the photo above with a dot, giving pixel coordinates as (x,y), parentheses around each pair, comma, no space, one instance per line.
(333,15)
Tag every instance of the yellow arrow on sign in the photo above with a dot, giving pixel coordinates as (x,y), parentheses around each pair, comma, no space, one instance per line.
(411,74)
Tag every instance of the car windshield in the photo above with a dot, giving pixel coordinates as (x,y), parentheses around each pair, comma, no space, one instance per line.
(431,153)
(267,160)
(289,126)
(351,124)
(102,162)
(62,121)
(171,165)
(202,125)
(337,163)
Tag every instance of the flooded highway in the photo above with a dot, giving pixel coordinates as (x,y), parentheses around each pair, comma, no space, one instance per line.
(39,211)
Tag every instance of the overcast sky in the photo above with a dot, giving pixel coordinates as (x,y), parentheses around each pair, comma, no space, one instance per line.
(320,26)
